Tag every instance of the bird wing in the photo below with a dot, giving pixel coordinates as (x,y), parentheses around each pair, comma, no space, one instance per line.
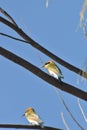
(36,118)
(59,70)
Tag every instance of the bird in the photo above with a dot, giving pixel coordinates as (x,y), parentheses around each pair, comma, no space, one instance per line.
(53,69)
(33,117)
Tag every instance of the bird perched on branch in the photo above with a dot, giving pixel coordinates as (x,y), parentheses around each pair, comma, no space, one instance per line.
(53,69)
(32,117)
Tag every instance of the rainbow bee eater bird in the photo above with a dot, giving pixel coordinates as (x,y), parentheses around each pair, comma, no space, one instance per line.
(32,117)
(53,70)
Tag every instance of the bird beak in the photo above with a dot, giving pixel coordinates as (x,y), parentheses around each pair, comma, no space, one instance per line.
(23,115)
(42,66)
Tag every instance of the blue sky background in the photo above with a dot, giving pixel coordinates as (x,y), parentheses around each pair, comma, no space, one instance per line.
(55,29)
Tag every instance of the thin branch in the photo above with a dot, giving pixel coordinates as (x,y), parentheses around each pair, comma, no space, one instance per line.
(70,113)
(38,72)
(64,121)
(9,36)
(81,109)
(42,49)
(8,16)
(47,2)
(19,126)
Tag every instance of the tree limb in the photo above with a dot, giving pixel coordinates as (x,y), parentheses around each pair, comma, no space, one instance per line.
(38,72)
(42,49)
(19,126)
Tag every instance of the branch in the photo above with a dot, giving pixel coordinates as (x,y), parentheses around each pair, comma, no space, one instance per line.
(8,16)
(38,72)
(14,38)
(81,109)
(18,126)
(70,113)
(64,121)
(47,2)
(42,49)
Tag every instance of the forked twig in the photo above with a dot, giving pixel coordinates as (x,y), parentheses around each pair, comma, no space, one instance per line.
(8,16)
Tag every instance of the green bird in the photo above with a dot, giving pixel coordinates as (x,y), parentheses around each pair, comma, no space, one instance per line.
(53,70)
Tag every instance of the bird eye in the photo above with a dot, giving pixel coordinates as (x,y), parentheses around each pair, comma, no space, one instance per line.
(47,63)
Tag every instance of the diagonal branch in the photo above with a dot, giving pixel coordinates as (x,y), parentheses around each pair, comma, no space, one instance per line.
(63,86)
(17,39)
(42,49)
(14,38)
(8,16)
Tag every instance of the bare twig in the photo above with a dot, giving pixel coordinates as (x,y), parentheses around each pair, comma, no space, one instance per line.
(64,121)
(53,81)
(63,102)
(47,2)
(83,11)
(3,34)
(81,109)
(8,16)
